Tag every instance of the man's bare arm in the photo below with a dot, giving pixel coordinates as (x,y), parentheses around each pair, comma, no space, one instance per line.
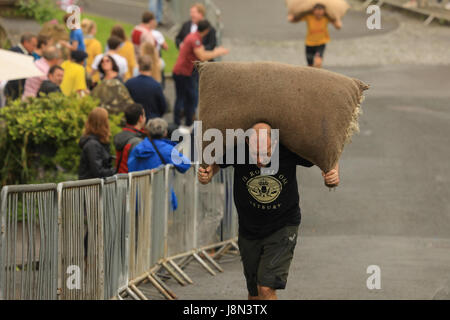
(205,55)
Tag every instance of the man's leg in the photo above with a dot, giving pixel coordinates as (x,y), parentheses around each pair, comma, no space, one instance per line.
(189,101)
(250,251)
(266,293)
(310,52)
(278,251)
(179,101)
(159,11)
(318,58)
(152,6)
(156,6)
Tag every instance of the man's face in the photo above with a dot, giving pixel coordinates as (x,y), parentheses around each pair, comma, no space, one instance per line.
(30,45)
(142,120)
(260,146)
(153,24)
(57,77)
(319,12)
(196,16)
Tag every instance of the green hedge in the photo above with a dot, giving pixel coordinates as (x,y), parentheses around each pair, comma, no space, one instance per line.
(39,138)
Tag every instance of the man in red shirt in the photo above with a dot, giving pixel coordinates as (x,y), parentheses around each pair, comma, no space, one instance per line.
(191,50)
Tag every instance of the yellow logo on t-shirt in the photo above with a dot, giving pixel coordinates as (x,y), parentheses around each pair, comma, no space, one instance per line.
(265,189)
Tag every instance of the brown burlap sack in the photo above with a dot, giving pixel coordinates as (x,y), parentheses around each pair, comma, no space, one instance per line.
(316,110)
(335,9)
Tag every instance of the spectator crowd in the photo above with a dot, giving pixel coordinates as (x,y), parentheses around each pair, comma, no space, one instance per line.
(126,76)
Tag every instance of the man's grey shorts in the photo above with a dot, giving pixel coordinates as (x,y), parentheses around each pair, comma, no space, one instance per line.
(266,261)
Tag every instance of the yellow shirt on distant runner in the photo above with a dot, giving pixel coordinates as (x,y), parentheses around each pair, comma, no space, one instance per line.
(74,78)
(317,30)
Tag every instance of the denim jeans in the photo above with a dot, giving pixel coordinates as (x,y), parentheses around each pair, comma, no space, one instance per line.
(156,6)
(185,89)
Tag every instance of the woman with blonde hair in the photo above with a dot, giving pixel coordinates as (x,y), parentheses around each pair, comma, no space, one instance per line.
(126,50)
(93,46)
(149,49)
(96,159)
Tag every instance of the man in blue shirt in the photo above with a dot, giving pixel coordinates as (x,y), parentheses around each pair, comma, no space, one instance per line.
(147,91)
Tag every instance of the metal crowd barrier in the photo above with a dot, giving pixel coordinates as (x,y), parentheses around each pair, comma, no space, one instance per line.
(81,244)
(117,233)
(97,239)
(29,249)
(140,222)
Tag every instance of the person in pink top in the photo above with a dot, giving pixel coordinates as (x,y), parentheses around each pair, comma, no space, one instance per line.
(191,50)
(50,57)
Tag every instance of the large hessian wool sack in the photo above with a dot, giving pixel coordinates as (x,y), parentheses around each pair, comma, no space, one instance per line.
(335,9)
(315,110)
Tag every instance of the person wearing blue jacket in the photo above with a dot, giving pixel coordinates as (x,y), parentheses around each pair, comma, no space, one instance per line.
(156,150)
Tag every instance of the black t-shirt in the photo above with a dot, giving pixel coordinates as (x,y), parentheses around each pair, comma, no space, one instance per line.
(48,87)
(267,203)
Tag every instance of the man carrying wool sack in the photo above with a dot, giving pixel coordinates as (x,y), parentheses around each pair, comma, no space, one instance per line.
(318,35)
(268,208)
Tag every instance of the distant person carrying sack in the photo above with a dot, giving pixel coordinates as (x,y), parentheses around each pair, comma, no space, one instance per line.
(317,36)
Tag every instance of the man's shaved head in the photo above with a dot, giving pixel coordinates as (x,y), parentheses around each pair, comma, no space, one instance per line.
(260,143)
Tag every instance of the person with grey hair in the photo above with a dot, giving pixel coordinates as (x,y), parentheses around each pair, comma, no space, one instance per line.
(51,56)
(156,150)
(27,45)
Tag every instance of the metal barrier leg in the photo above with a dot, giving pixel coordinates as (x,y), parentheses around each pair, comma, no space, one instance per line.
(160,288)
(162,284)
(234,245)
(183,274)
(173,274)
(203,264)
(211,260)
(138,292)
(131,294)
(222,251)
(183,264)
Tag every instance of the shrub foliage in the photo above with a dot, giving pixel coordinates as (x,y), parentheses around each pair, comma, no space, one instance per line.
(40,136)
